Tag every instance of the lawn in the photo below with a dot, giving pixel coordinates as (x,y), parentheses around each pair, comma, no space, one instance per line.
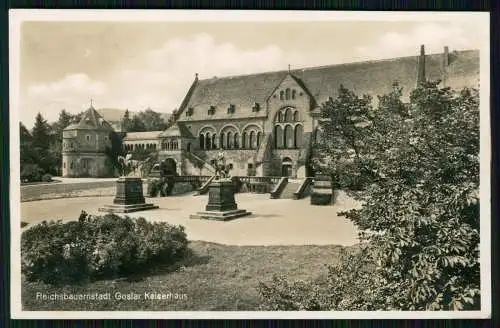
(213,277)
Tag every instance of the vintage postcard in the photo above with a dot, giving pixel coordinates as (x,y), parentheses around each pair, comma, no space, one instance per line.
(249,164)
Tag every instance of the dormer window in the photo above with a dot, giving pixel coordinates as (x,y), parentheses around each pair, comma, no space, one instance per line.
(190,111)
(211,111)
(256,107)
(231,109)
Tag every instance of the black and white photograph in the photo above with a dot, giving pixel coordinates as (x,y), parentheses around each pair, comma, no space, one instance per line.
(249,164)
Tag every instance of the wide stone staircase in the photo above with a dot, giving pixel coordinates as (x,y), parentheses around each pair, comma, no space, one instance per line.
(291,187)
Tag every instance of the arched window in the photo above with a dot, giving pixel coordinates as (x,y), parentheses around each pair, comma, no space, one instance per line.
(296,116)
(278,136)
(222,142)
(298,135)
(289,138)
(244,140)
(294,94)
(259,137)
(71,165)
(280,116)
(214,141)
(208,141)
(236,140)
(252,140)
(288,115)
(188,146)
(171,145)
(282,95)
(202,141)
(287,94)
(229,140)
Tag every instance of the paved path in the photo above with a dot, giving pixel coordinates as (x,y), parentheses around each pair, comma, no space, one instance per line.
(274,222)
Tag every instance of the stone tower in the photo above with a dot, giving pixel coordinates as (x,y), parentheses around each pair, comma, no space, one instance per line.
(84,147)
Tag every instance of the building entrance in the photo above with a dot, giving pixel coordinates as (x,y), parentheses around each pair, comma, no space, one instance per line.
(286,167)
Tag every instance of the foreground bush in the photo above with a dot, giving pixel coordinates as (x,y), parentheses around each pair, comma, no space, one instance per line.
(47,178)
(418,184)
(98,247)
(31,173)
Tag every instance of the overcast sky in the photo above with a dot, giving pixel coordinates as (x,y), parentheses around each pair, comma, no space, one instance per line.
(136,65)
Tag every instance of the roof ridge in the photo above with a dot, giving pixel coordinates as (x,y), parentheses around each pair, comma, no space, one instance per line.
(330,66)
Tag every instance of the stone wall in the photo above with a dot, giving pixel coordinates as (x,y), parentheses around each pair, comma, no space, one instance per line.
(62,190)
(98,165)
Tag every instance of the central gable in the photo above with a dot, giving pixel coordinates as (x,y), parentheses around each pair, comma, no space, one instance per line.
(290,92)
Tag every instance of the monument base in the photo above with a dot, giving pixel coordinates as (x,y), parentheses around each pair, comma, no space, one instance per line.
(220,216)
(117,208)
(129,197)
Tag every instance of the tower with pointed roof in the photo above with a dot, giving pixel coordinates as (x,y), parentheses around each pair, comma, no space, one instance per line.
(85,145)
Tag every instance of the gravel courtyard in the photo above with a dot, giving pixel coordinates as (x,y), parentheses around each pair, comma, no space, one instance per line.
(273,222)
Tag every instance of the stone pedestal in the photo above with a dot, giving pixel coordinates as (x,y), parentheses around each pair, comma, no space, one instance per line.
(129,197)
(221,204)
(322,193)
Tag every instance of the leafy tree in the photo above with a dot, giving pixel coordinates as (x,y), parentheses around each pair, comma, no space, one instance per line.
(419,220)
(126,121)
(137,125)
(152,120)
(342,151)
(27,156)
(115,149)
(55,147)
(41,132)
(423,212)
(63,122)
(41,143)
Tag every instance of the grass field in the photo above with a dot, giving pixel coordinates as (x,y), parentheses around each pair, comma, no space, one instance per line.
(213,277)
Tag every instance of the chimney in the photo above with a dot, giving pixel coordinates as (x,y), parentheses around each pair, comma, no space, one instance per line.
(421,66)
(196,76)
(446,57)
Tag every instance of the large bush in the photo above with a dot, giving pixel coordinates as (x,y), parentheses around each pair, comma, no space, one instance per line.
(98,247)
(31,173)
(419,219)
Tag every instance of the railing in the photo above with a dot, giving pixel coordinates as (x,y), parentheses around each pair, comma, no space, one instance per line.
(204,188)
(192,178)
(302,188)
(195,157)
(251,179)
(278,189)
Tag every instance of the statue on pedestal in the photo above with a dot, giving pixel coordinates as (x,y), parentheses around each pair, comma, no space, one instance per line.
(221,168)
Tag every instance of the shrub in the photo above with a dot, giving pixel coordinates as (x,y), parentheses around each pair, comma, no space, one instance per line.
(153,188)
(98,247)
(31,173)
(47,178)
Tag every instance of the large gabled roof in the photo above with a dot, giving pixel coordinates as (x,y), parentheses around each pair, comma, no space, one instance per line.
(91,120)
(370,77)
(178,129)
(148,135)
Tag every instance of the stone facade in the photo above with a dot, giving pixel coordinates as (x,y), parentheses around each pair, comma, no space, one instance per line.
(84,147)
(265,123)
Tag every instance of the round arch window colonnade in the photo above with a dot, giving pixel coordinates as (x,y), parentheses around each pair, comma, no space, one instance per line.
(288,130)
(230,139)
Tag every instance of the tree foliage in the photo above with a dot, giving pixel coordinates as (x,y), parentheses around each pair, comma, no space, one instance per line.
(147,120)
(419,222)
